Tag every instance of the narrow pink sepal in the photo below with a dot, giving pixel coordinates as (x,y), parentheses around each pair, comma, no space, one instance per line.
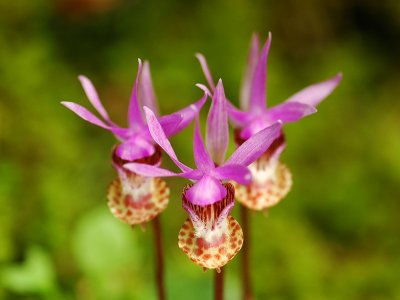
(206,70)
(134,115)
(258,95)
(149,170)
(217,126)
(201,157)
(255,146)
(237,117)
(85,114)
(186,114)
(147,96)
(93,97)
(248,75)
(314,94)
(238,173)
(290,111)
(160,138)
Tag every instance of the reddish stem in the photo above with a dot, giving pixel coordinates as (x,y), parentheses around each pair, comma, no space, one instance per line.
(159,259)
(219,285)
(247,293)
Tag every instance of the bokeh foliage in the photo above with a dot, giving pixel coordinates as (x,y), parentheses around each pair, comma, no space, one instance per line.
(334,237)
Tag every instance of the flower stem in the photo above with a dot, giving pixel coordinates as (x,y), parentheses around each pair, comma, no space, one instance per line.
(159,259)
(247,293)
(219,285)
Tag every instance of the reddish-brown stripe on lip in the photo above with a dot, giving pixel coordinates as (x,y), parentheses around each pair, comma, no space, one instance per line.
(210,212)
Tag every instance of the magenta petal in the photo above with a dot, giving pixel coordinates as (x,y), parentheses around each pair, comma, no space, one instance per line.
(159,137)
(201,157)
(206,70)
(170,123)
(82,112)
(93,97)
(258,96)
(186,114)
(237,117)
(290,111)
(314,94)
(248,75)
(134,148)
(217,126)
(238,173)
(149,170)
(85,114)
(147,96)
(206,191)
(134,116)
(255,146)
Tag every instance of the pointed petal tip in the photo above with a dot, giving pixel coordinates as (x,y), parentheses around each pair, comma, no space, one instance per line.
(147,110)
(199,55)
(203,88)
(82,77)
(220,87)
(254,35)
(207,73)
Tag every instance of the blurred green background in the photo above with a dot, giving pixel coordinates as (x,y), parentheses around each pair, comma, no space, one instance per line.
(336,235)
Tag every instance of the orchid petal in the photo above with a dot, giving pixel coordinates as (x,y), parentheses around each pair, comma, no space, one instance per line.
(85,114)
(290,111)
(134,148)
(254,126)
(238,118)
(202,158)
(258,96)
(149,170)
(255,146)
(206,191)
(169,123)
(134,115)
(217,126)
(159,137)
(146,92)
(248,75)
(204,89)
(314,94)
(120,133)
(93,97)
(186,114)
(238,173)
(206,70)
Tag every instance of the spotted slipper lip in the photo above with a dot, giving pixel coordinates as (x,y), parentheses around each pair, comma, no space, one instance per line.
(211,237)
(271,183)
(271,179)
(135,199)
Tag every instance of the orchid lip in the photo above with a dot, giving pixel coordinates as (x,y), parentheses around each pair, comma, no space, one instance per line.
(211,237)
(154,159)
(208,217)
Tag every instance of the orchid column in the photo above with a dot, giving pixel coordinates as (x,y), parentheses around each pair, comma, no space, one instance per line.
(271,179)
(210,237)
(133,198)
